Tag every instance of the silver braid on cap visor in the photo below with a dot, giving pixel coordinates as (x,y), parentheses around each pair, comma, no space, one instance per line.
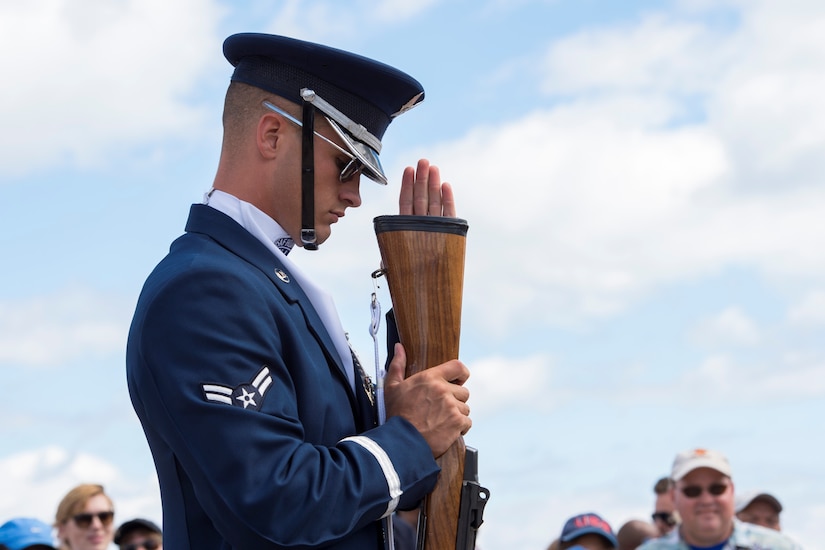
(356,130)
(360,142)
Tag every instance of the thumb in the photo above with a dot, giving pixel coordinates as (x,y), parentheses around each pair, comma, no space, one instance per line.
(395,372)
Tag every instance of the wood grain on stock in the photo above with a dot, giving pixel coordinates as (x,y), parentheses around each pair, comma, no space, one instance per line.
(423,259)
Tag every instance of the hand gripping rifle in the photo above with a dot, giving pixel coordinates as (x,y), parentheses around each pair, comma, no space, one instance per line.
(423,260)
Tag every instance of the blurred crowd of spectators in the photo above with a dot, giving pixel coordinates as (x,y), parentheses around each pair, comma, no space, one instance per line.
(84,520)
(695,507)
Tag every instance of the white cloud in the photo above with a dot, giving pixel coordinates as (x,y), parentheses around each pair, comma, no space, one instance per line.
(807,528)
(598,200)
(34,481)
(725,379)
(399,10)
(649,55)
(593,202)
(53,329)
(728,380)
(501,382)
(315,21)
(579,209)
(808,381)
(88,76)
(322,21)
(810,310)
(767,103)
(729,327)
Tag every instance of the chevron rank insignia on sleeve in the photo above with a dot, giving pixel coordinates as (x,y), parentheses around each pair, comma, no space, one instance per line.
(249,395)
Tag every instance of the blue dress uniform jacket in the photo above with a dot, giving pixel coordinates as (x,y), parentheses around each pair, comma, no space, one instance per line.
(248,411)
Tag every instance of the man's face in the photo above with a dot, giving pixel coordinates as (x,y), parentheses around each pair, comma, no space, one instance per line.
(707,518)
(141,539)
(332,196)
(592,541)
(760,513)
(663,506)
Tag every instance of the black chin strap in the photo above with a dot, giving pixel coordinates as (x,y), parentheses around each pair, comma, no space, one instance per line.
(308,177)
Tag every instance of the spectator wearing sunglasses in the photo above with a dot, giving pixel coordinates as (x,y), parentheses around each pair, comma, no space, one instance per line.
(664,515)
(703,495)
(26,534)
(265,430)
(139,534)
(759,508)
(84,519)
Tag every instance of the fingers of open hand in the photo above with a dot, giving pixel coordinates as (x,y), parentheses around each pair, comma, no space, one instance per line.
(447,201)
(423,193)
(405,199)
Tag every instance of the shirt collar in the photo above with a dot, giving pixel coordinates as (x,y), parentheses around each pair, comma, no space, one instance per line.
(251,218)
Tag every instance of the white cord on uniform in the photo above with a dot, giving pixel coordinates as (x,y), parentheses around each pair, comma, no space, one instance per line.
(375,310)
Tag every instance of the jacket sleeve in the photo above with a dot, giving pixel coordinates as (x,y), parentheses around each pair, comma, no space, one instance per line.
(282,467)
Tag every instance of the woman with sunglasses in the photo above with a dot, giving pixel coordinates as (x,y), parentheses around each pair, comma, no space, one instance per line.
(84,519)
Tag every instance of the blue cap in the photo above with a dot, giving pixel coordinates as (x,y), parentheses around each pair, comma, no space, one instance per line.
(359,95)
(367,91)
(20,533)
(584,524)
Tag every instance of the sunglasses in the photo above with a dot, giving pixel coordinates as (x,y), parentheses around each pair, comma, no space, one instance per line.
(85,520)
(715,489)
(664,517)
(148,544)
(349,170)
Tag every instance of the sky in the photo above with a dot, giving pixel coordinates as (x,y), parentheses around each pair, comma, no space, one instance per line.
(644,186)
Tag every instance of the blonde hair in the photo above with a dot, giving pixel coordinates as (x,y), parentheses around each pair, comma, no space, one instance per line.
(76,499)
(74,502)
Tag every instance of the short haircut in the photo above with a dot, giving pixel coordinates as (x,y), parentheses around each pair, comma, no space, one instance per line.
(242,104)
(663,485)
(243,108)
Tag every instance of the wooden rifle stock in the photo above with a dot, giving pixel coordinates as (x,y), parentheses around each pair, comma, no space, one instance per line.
(423,260)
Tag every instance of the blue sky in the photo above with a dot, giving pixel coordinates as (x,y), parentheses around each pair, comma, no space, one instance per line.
(644,187)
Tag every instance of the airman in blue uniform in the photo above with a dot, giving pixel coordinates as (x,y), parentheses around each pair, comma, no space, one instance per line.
(260,421)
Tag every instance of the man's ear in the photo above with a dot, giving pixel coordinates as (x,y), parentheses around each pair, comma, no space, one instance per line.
(270,134)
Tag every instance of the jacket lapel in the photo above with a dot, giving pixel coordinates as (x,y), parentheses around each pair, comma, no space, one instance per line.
(229,234)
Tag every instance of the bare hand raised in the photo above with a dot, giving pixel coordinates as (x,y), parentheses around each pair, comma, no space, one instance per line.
(423,194)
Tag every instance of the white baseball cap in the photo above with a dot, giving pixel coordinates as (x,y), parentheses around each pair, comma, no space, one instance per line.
(687,461)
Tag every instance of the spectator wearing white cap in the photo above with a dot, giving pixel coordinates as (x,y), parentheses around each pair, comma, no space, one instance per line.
(703,495)
(759,508)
